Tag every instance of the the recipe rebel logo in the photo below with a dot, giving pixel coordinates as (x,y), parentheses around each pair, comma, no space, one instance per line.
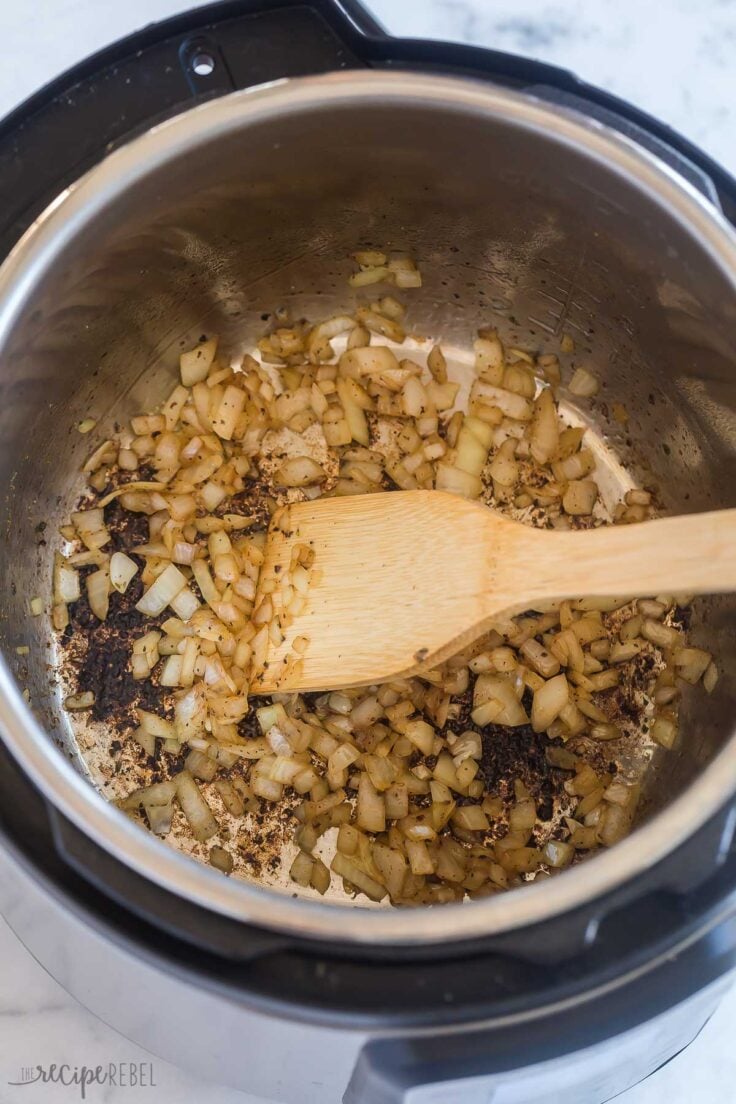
(119,1075)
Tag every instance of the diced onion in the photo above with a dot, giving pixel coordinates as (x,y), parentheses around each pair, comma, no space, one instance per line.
(558,853)
(455,481)
(190,713)
(122,571)
(145,740)
(76,702)
(155,725)
(171,671)
(195,364)
(664,731)
(545,434)
(583,383)
(66,581)
(185,604)
(160,817)
(346,868)
(513,406)
(405,273)
(370,360)
(549,701)
(98,592)
(710,678)
(580,496)
(299,471)
(368,276)
(195,808)
(161,592)
(495,700)
(159,793)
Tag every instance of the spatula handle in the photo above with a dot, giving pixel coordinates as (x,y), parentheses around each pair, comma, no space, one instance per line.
(694,554)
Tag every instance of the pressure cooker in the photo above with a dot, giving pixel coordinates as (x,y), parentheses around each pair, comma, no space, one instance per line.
(189,177)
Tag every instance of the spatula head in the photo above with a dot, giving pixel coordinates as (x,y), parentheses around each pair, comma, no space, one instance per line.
(399,581)
(402,581)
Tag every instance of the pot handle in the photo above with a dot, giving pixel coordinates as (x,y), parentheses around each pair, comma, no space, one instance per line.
(265,43)
(651,1020)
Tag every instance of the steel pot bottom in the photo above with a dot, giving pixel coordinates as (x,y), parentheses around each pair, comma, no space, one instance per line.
(517,213)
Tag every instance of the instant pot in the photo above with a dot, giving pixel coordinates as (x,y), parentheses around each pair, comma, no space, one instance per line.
(201,174)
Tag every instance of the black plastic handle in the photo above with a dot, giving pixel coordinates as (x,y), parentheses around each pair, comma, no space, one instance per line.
(388,1069)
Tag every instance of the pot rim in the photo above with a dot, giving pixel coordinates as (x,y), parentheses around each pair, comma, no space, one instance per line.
(54,775)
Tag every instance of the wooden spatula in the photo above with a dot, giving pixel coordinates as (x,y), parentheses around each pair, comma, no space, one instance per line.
(404,580)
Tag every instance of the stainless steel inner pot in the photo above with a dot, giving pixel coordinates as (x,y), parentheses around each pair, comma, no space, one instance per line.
(519,214)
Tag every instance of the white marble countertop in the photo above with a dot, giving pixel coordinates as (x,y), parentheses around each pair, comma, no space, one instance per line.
(674,59)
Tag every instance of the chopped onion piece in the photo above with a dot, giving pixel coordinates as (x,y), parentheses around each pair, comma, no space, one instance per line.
(512,405)
(195,364)
(195,808)
(98,592)
(545,433)
(161,592)
(205,582)
(159,817)
(128,488)
(185,604)
(471,818)
(298,471)
(348,869)
(103,454)
(691,664)
(369,360)
(369,258)
(368,276)
(710,678)
(580,496)
(200,765)
(664,731)
(549,701)
(558,853)
(301,869)
(267,788)
(405,273)
(458,482)
(145,740)
(66,581)
(583,383)
(190,712)
(122,571)
(155,725)
(74,703)
(371,808)
(171,671)
(495,700)
(229,410)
